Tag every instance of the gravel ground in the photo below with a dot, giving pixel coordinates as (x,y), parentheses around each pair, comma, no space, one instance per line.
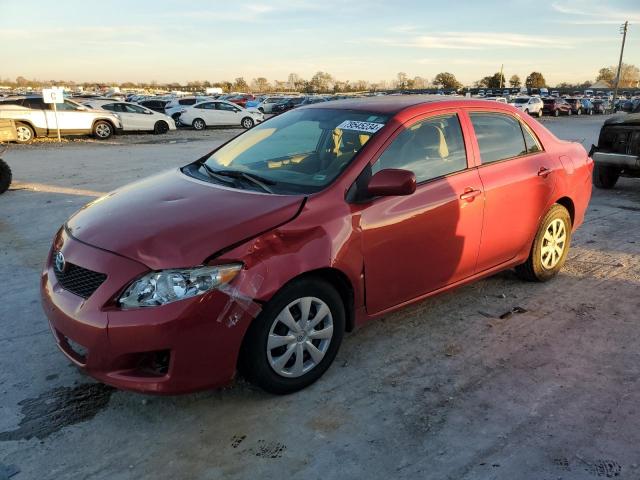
(443,389)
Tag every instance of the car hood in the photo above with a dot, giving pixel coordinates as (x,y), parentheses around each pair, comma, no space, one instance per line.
(624,119)
(171,220)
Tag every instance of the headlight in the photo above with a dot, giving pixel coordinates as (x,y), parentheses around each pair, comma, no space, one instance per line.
(166,286)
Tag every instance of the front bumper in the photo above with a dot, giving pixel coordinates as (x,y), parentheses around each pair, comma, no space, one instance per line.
(181,347)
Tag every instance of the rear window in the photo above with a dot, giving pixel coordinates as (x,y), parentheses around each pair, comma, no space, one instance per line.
(499,136)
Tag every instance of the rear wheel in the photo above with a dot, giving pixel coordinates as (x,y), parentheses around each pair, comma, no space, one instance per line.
(295,338)
(160,127)
(247,122)
(199,124)
(25,133)
(569,112)
(550,247)
(540,113)
(605,176)
(5,177)
(556,113)
(579,111)
(102,130)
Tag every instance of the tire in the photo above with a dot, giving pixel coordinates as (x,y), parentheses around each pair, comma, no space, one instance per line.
(526,110)
(247,122)
(590,112)
(5,177)
(556,113)
(259,364)
(579,112)
(199,124)
(569,112)
(544,260)
(161,127)
(25,132)
(261,109)
(540,113)
(605,177)
(102,130)
(176,118)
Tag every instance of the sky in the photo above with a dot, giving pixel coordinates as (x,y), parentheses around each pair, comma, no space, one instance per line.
(373,40)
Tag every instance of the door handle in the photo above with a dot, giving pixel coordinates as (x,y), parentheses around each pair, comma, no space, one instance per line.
(469,194)
(544,172)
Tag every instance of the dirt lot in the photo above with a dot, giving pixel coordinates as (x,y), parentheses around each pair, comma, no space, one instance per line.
(444,389)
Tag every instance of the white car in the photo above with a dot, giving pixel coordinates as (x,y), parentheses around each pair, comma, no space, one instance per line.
(135,117)
(174,107)
(530,105)
(266,105)
(34,118)
(218,113)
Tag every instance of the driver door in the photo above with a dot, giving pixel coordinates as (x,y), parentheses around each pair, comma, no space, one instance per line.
(228,114)
(419,243)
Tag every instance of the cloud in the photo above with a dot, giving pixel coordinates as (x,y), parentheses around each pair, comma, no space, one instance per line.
(593,13)
(476,41)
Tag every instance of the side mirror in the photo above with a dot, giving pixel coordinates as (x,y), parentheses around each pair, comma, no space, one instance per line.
(391,182)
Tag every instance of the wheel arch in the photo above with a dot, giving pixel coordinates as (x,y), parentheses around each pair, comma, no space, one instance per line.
(109,121)
(30,125)
(567,203)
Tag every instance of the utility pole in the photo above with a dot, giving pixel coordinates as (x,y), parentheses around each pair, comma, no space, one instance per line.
(501,68)
(623,31)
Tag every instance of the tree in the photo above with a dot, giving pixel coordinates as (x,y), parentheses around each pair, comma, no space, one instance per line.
(240,85)
(629,75)
(260,84)
(606,74)
(535,80)
(401,81)
(447,80)
(496,80)
(321,82)
(515,81)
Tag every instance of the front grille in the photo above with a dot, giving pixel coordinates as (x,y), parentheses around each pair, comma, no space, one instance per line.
(78,280)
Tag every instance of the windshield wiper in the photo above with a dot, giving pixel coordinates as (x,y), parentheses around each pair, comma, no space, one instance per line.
(213,174)
(250,177)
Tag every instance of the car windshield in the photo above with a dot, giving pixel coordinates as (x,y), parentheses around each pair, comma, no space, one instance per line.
(301,151)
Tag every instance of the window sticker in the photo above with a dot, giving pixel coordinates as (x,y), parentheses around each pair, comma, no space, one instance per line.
(368,127)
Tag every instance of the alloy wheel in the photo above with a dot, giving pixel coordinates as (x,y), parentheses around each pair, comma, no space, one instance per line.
(553,243)
(300,337)
(24,133)
(103,130)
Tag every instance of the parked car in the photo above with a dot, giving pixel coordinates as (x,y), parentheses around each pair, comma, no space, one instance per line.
(631,106)
(135,117)
(257,256)
(155,105)
(575,104)
(218,113)
(34,118)
(267,104)
(175,106)
(241,99)
(618,151)
(5,176)
(601,106)
(287,104)
(530,105)
(555,106)
(586,106)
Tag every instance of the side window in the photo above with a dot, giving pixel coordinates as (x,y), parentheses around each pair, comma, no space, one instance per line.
(206,106)
(430,148)
(112,107)
(187,101)
(499,136)
(128,108)
(530,140)
(67,106)
(34,103)
(226,107)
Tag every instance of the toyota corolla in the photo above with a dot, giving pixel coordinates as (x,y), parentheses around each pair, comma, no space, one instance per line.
(259,256)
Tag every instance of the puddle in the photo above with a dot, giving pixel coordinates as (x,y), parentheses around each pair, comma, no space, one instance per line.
(57,409)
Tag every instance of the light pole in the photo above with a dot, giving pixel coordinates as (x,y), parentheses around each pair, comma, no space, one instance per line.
(623,31)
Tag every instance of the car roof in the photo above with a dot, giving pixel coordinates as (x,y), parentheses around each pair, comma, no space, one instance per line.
(397,103)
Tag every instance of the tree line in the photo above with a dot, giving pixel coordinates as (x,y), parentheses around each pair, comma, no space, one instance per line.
(323,82)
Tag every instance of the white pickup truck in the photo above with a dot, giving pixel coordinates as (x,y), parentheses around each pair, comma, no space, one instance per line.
(34,118)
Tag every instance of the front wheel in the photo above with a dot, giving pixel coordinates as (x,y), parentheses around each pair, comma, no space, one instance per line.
(198,124)
(540,113)
(295,338)
(25,133)
(569,113)
(556,113)
(102,130)
(579,111)
(550,247)
(605,176)
(247,122)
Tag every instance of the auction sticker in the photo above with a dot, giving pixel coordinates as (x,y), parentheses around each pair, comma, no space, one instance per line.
(369,127)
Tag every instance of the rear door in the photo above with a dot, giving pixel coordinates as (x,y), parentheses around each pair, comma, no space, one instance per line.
(518,178)
(419,243)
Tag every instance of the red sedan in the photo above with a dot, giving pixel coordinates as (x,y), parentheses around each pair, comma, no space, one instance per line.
(259,256)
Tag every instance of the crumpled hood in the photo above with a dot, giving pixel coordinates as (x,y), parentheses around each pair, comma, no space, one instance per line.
(171,220)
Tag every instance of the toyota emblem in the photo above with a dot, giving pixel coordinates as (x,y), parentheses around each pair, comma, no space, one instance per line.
(60,262)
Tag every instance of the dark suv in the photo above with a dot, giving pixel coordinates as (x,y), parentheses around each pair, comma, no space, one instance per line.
(555,106)
(618,150)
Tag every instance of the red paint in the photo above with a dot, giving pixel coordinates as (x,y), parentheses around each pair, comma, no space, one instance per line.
(390,251)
